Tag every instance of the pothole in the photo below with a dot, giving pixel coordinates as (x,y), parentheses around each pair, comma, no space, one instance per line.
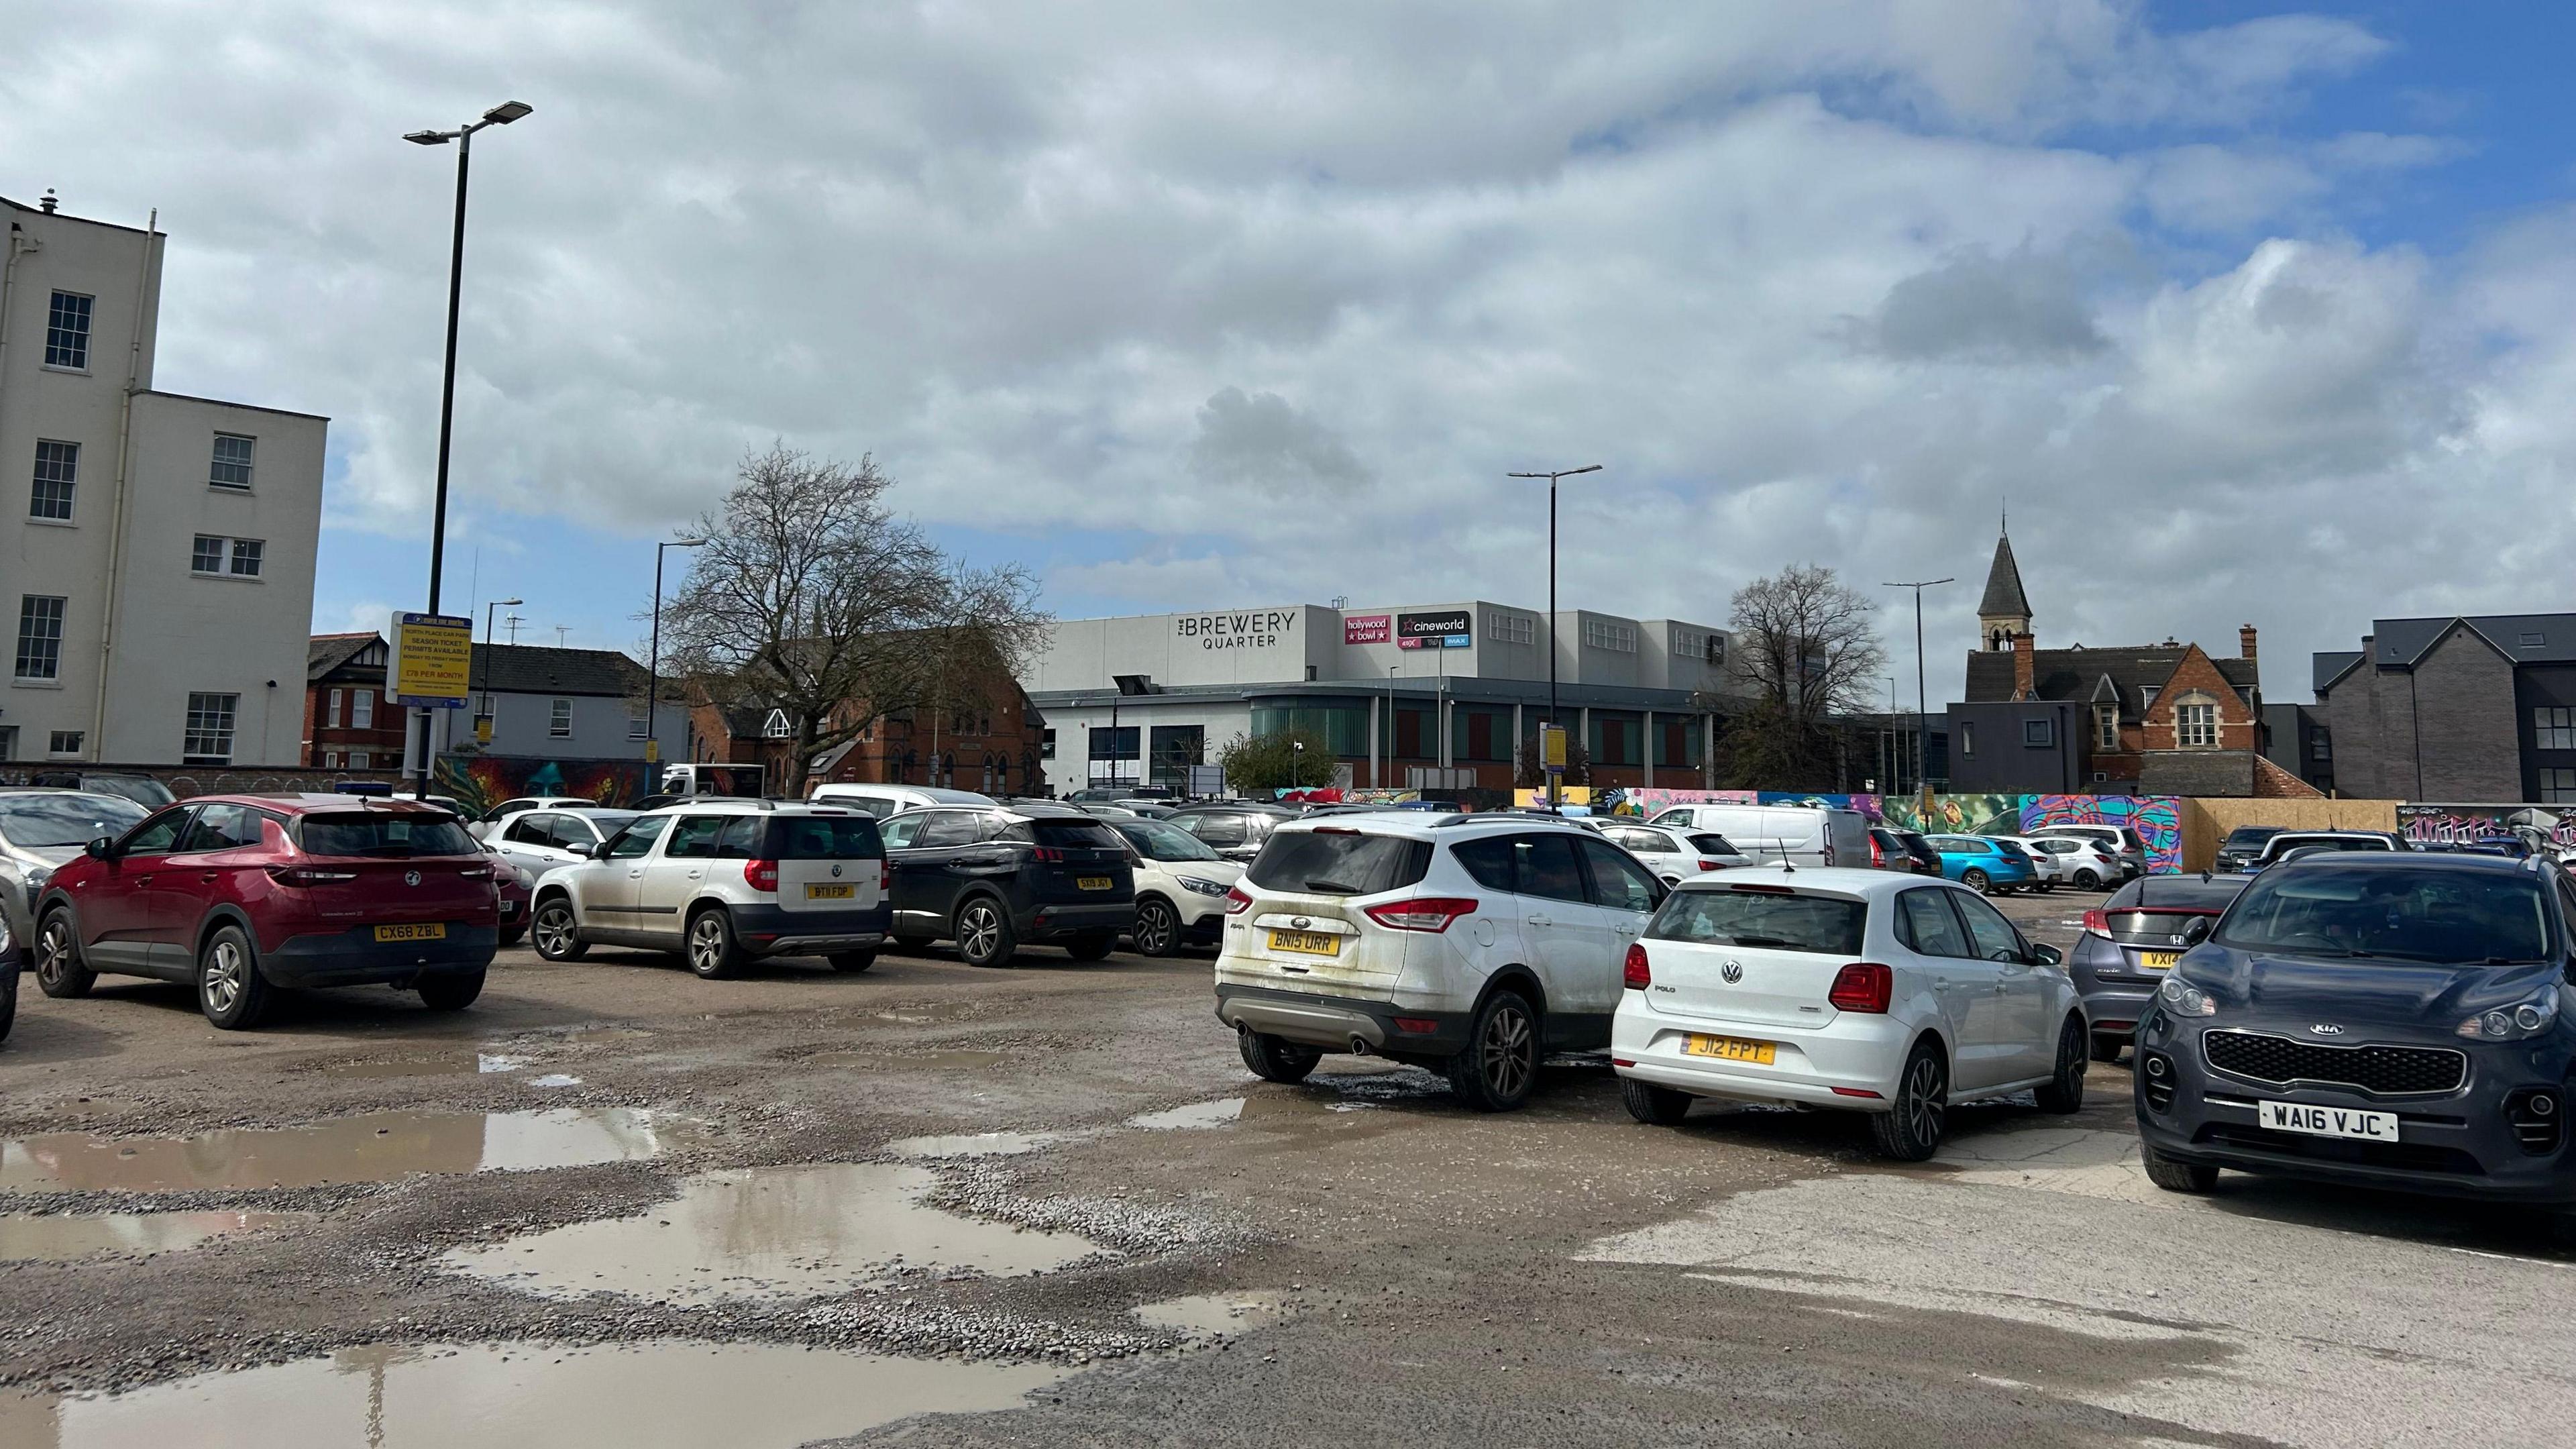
(1218,1113)
(975,1144)
(936,1061)
(669,1392)
(771,1232)
(423,1064)
(1214,1315)
(375,1148)
(69,1237)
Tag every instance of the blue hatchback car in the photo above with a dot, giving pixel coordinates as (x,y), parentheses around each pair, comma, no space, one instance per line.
(1985,865)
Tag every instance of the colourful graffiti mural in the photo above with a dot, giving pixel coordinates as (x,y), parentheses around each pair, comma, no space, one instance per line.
(2156,818)
(2535,823)
(480,782)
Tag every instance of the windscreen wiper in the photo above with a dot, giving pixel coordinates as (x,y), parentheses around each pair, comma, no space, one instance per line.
(1332,888)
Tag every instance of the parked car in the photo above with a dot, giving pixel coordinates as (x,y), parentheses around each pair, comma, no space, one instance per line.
(2311,842)
(481,827)
(720,882)
(1235,831)
(1985,863)
(2379,1019)
(1850,989)
(1469,944)
(544,841)
(2070,860)
(1888,851)
(691,781)
(1799,834)
(143,790)
(2244,843)
(2121,842)
(1150,809)
(40,831)
(517,888)
(1674,854)
(2131,941)
(242,894)
(1927,860)
(884,800)
(1180,887)
(994,878)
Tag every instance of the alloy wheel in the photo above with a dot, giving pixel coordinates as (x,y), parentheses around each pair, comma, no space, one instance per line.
(1923,1104)
(223,983)
(54,952)
(1506,1052)
(553,930)
(1154,928)
(978,932)
(707,943)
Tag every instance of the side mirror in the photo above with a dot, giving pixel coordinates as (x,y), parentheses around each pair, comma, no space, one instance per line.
(103,848)
(2045,955)
(2196,932)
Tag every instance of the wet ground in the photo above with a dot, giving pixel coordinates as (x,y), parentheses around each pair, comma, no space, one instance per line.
(616,1205)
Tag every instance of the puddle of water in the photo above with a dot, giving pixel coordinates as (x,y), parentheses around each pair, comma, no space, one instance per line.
(530,1396)
(975,1144)
(376,1148)
(1214,1315)
(770,1232)
(66,1237)
(438,1064)
(1197,1114)
(963,1060)
(555,1079)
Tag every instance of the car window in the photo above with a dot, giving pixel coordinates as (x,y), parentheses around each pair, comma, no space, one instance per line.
(1618,882)
(385,835)
(950,827)
(1926,926)
(898,832)
(1157,840)
(1995,938)
(2356,911)
(1771,919)
(1488,860)
(1220,831)
(638,837)
(694,838)
(1340,862)
(1545,866)
(825,837)
(1678,815)
(156,835)
(741,838)
(572,832)
(222,827)
(529,830)
(1708,844)
(59,820)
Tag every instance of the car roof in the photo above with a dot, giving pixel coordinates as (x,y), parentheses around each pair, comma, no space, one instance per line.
(2407,860)
(306,802)
(740,805)
(1256,807)
(590,808)
(1842,880)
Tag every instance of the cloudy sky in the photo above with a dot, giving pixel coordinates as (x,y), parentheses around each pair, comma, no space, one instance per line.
(2252,317)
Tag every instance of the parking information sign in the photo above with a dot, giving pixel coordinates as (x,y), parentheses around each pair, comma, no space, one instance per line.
(1551,748)
(432,657)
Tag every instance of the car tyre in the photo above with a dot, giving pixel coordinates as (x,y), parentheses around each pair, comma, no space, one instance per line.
(984,933)
(713,952)
(1158,928)
(2173,1176)
(852,962)
(1978,881)
(1276,1059)
(1655,1106)
(910,942)
(451,990)
(1498,1067)
(59,972)
(2064,1092)
(8,1008)
(1910,1131)
(558,931)
(2107,1047)
(510,936)
(2086,880)
(230,990)
(1094,947)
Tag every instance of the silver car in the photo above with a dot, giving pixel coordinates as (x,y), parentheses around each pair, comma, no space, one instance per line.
(539,841)
(40,829)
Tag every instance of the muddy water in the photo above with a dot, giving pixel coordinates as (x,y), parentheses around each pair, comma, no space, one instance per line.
(424,1064)
(916,1061)
(65,1237)
(528,1396)
(770,1233)
(375,1148)
(976,1144)
(1220,1113)
(1214,1315)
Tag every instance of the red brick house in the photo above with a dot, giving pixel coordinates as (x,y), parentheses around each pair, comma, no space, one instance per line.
(997,749)
(347,723)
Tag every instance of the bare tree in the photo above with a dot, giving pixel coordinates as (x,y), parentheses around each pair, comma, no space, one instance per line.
(1807,650)
(813,598)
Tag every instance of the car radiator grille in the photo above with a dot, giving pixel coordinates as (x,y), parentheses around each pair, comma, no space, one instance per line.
(2381,1070)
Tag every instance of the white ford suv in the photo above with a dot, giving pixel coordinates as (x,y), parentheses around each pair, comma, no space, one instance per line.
(1470,944)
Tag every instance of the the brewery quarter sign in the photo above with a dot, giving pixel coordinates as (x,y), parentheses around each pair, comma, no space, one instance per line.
(1247,629)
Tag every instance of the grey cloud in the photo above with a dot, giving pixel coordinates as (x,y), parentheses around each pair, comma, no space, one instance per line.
(1261,444)
(2019,307)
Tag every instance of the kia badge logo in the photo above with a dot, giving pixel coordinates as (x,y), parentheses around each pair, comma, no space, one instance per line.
(836,871)
(1733,971)
(411,877)
(2326,1028)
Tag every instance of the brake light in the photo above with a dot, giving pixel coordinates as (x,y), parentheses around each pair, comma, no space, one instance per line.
(1763,890)
(1712,865)
(885,877)
(2098,923)
(1636,972)
(1877,857)
(1236,902)
(1862,986)
(308,875)
(760,875)
(476,872)
(1425,913)
(1047,855)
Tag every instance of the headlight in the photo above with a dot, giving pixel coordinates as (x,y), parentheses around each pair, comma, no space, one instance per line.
(2184,1000)
(1203,887)
(2513,1023)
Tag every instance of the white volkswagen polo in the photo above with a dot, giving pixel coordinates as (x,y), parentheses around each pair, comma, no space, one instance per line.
(1856,989)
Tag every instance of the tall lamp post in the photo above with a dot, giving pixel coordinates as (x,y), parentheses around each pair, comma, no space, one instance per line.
(500,115)
(1551,478)
(1922,755)
(653,663)
(1389,755)
(485,712)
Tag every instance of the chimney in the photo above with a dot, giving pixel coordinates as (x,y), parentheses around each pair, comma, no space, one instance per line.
(2025,681)
(47,203)
(2245,641)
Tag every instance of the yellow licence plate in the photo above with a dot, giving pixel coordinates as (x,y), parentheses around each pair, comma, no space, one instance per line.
(1095,882)
(2158,960)
(1310,943)
(1730,1049)
(829,892)
(433,932)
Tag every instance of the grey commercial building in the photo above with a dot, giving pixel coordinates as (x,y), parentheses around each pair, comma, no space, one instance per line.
(2467,708)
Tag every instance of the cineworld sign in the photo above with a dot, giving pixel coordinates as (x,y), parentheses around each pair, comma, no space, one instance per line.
(1452,630)
(1251,629)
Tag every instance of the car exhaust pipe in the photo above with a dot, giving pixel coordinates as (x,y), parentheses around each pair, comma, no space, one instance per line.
(1359,1045)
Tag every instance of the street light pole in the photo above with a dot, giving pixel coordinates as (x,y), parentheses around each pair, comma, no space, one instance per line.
(653,660)
(500,115)
(1389,754)
(1922,751)
(1551,478)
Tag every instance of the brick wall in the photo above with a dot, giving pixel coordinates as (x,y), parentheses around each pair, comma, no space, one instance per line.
(2464,718)
(2197,679)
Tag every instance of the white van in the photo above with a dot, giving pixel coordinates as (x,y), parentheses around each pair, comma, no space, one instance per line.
(1800,834)
(884,800)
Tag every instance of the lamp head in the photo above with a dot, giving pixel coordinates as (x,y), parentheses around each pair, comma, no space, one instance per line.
(506,112)
(429,138)
(507,603)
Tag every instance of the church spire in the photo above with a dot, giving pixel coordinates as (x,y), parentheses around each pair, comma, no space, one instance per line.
(2004,611)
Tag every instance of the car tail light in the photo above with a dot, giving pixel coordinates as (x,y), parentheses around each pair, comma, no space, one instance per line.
(2098,923)
(1856,1092)
(1418,1025)
(1423,913)
(1236,902)
(1877,857)
(885,877)
(475,872)
(1047,855)
(1637,974)
(1862,986)
(308,875)
(760,875)
(1712,865)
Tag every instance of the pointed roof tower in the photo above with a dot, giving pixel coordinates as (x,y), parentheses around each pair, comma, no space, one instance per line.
(2005,610)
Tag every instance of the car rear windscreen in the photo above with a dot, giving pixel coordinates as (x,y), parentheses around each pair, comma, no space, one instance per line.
(1762,920)
(1709,844)
(385,835)
(1339,863)
(1068,834)
(2468,917)
(825,837)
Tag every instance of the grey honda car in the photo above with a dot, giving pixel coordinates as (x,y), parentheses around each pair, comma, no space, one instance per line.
(2131,942)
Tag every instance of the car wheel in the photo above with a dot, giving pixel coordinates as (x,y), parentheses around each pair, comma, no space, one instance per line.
(852,962)
(1911,1130)
(1158,928)
(509,936)
(1276,1059)
(59,972)
(8,1008)
(713,953)
(2086,880)
(984,934)
(2046,886)
(1500,1063)
(558,931)
(2172,1176)
(451,990)
(1093,947)
(1655,1106)
(230,990)
(2106,1047)
(1978,881)
(2064,1092)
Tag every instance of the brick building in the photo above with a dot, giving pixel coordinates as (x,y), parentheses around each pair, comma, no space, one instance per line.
(2461,709)
(347,723)
(999,748)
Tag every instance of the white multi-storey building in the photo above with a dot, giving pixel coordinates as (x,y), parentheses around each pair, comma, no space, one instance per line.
(159,557)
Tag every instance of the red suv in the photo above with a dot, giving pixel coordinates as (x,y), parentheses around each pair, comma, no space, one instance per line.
(241,894)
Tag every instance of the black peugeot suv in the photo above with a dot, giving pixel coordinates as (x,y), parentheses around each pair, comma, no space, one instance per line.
(2394,1020)
(993,879)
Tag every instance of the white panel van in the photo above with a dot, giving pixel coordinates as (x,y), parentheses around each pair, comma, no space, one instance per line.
(1800,834)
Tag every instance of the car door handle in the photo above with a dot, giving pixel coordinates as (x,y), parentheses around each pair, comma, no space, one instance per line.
(1542,920)
(636,874)
(209,878)
(698,874)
